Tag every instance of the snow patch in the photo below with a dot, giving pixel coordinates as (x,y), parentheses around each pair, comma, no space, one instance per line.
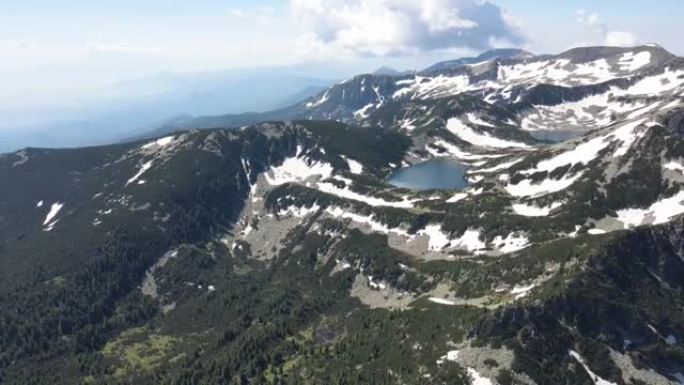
(442,301)
(657,84)
(597,380)
(526,188)
(161,142)
(632,62)
(432,87)
(461,130)
(522,291)
(437,239)
(294,211)
(457,197)
(477,378)
(513,242)
(48,223)
(498,167)
(585,152)
(470,240)
(451,355)
(350,194)
(297,169)
(354,166)
(556,72)
(534,211)
(320,101)
(452,150)
(374,224)
(376,285)
(474,119)
(672,165)
(363,113)
(146,166)
(661,211)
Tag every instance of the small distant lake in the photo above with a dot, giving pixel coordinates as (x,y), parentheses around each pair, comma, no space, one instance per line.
(554,136)
(441,174)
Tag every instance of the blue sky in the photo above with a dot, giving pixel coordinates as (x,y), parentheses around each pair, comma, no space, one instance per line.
(57,53)
(651,21)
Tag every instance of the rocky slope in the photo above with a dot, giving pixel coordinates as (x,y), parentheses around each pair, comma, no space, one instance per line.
(278,252)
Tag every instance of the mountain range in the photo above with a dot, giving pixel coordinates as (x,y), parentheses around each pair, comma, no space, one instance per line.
(141,105)
(272,248)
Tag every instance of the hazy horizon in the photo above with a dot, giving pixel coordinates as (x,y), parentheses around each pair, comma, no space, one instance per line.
(70,61)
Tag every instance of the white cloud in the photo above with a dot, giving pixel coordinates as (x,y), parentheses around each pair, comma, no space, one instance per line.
(237,12)
(602,34)
(621,38)
(262,15)
(591,19)
(441,17)
(387,27)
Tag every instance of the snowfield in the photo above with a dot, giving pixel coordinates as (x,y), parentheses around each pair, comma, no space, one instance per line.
(297,169)
(657,84)
(623,136)
(661,211)
(437,239)
(587,151)
(558,72)
(470,241)
(432,87)
(632,62)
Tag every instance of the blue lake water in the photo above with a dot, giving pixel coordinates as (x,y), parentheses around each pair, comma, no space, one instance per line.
(554,136)
(442,174)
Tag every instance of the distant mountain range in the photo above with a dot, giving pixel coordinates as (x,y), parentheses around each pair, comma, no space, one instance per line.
(502,53)
(174,95)
(516,78)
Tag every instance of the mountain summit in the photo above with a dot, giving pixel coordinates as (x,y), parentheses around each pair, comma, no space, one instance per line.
(500,53)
